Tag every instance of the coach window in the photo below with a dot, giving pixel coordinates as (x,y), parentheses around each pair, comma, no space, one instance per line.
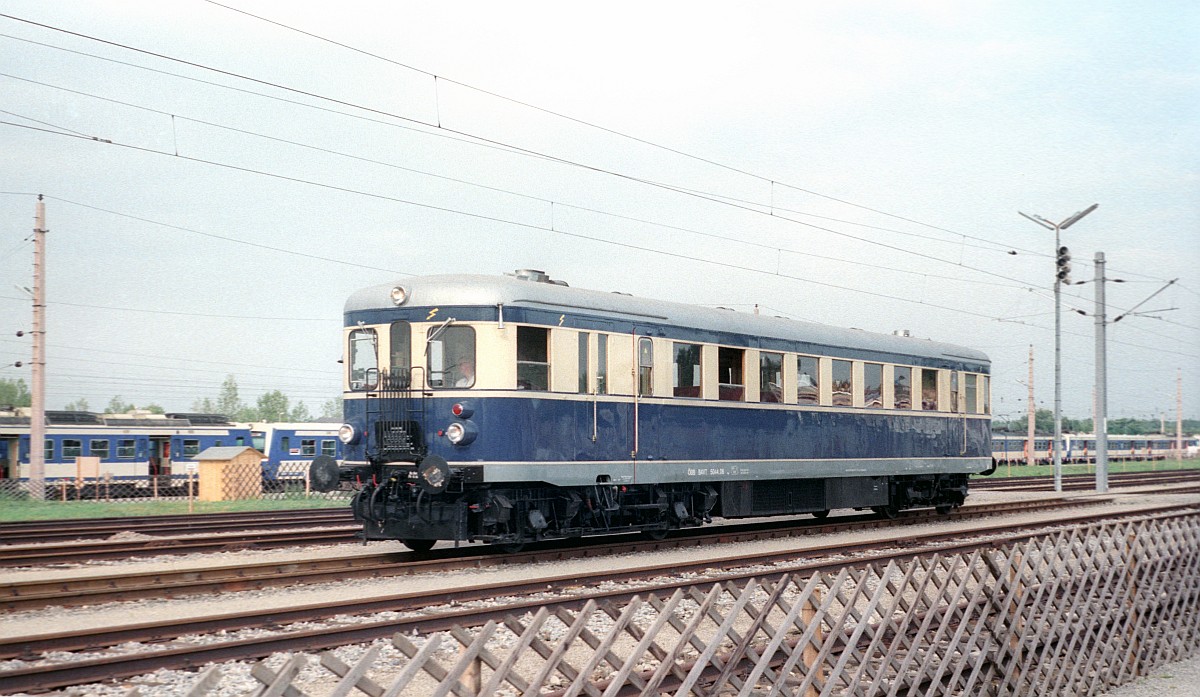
(583,362)
(730,364)
(929,390)
(72,448)
(533,358)
(987,396)
(191,448)
(329,447)
(872,385)
(49,450)
(451,357)
(808,386)
(770,377)
(687,370)
(843,384)
(364,360)
(308,447)
(972,393)
(902,387)
(125,449)
(602,364)
(285,445)
(401,353)
(954,391)
(645,386)
(99,448)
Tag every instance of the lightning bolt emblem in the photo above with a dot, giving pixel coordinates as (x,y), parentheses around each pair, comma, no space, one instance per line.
(432,312)
(560,319)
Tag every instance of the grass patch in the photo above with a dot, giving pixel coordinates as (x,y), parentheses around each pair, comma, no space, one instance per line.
(12,510)
(1113,468)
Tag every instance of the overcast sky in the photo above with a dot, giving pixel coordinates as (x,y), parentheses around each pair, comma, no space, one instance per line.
(858,164)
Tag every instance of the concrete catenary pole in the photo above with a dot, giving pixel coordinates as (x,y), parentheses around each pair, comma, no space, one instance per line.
(1030,451)
(1179,415)
(37,417)
(1101,421)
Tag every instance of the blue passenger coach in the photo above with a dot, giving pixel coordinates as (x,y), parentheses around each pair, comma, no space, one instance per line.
(510,409)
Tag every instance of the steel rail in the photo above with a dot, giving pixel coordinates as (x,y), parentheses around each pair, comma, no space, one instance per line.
(716,571)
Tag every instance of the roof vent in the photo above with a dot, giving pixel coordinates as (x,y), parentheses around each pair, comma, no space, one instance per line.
(536,276)
(902,332)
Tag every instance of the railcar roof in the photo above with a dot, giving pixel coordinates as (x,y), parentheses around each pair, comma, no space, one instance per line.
(479,290)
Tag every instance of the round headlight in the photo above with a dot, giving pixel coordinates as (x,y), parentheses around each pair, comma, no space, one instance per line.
(455,433)
(399,295)
(347,434)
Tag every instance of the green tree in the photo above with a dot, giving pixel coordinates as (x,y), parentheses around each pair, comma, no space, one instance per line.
(15,393)
(154,409)
(332,409)
(300,413)
(204,406)
(273,406)
(229,403)
(80,404)
(118,406)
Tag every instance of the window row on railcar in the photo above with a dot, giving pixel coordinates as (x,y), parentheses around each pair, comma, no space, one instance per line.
(446,355)
(60,449)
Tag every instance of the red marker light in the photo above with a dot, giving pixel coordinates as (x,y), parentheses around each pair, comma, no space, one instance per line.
(441,432)
(457,410)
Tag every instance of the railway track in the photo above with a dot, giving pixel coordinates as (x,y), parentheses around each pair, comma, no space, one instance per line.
(659,578)
(1083,482)
(123,585)
(41,531)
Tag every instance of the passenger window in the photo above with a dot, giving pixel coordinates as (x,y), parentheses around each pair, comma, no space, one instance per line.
(902,387)
(99,448)
(601,364)
(645,384)
(770,377)
(533,358)
(451,357)
(125,449)
(730,364)
(972,393)
(364,360)
(843,385)
(191,448)
(50,450)
(583,362)
(929,390)
(401,354)
(285,445)
(329,447)
(872,385)
(72,448)
(687,370)
(308,447)
(987,396)
(954,391)
(808,388)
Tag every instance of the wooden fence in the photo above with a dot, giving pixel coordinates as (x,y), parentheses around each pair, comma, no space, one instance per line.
(1072,613)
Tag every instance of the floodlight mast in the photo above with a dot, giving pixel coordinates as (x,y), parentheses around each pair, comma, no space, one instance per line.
(1058,281)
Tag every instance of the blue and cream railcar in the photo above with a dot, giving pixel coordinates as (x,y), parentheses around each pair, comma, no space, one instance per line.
(509,409)
(289,448)
(127,447)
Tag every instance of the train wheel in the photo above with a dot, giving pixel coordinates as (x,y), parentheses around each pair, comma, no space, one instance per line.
(512,547)
(944,509)
(821,515)
(889,511)
(419,545)
(656,534)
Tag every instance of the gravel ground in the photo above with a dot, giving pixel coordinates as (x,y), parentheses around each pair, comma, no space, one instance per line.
(1175,680)
(1185,680)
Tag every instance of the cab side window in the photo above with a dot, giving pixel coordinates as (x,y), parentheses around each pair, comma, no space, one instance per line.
(533,358)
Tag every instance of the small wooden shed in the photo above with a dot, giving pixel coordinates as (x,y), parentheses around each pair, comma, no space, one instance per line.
(230,472)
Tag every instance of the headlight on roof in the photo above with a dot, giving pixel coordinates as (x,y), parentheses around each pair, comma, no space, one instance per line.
(399,295)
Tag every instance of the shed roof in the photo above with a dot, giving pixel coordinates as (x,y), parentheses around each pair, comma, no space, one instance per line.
(225,452)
